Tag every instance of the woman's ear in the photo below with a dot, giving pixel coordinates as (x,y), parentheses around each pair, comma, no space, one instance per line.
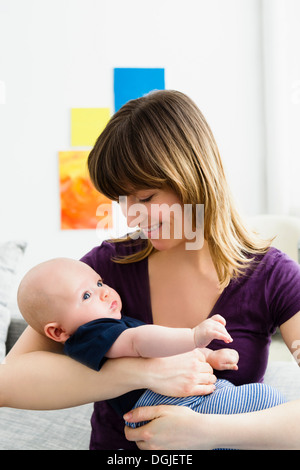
(55,331)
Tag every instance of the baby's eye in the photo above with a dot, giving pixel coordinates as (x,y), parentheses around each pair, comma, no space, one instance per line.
(86,296)
(99,283)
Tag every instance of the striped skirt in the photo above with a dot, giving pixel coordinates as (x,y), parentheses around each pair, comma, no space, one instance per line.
(226,399)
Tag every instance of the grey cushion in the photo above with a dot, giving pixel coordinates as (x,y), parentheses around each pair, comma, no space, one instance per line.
(10,254)
(15,329)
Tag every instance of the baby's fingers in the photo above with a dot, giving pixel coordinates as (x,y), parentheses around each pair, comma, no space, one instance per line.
(228,366)
(228,359)
(223,335)
(219,319)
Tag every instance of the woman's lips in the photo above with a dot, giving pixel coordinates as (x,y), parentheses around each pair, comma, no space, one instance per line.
(153,231)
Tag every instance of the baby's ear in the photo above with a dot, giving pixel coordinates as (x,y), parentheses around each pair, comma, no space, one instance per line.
(55,331)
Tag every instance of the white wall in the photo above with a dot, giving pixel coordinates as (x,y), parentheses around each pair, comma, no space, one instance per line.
(293,86)
(281,40)
(59,54)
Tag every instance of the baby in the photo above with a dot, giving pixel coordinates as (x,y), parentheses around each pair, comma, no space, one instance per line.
(67,301)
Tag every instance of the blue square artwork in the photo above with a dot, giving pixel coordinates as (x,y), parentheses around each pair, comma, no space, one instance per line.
(131,83)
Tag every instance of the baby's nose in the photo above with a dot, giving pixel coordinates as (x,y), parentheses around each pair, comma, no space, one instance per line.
(104,293)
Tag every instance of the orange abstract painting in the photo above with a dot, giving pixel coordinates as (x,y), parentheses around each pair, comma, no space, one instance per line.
(79,199)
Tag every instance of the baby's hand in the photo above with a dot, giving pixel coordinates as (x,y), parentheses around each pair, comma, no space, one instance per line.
(223,359)
(210,329)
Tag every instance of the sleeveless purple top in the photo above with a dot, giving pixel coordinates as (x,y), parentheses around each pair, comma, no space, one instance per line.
(253,306)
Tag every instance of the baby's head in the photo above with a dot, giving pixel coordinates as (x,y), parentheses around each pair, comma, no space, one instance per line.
(59,295)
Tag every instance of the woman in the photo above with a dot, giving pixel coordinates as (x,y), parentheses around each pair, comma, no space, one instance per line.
(159,152)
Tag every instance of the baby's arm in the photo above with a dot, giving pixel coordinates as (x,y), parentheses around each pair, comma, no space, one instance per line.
(152,341)
(159,341)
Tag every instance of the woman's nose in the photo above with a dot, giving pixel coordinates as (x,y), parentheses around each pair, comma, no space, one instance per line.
(134,212)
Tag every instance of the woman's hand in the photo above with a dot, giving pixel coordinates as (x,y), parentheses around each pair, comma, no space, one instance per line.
(170,428)
(181,376)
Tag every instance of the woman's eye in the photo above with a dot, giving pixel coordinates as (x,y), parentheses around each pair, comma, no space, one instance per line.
(86,296)
(99,284)
(147,199)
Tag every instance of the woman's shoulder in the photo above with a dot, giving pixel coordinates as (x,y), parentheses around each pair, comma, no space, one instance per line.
(275,260)
(268,269)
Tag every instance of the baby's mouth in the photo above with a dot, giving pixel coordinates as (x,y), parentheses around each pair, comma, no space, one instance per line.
(113,305)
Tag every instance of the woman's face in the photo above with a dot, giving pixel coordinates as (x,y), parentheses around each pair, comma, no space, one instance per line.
(159,214)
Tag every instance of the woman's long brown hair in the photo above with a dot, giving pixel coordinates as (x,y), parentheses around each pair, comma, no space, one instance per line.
(163,140)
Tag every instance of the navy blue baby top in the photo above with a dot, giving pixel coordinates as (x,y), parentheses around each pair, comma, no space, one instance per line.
(91,341)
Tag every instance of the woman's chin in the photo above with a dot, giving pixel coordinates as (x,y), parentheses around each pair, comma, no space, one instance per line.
(161,244)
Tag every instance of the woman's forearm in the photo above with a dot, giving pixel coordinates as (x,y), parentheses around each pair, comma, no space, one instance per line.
(36,375)
(44,380)
(276,428)
(47,380)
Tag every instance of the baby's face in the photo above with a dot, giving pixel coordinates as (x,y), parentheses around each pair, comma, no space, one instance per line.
(84,297)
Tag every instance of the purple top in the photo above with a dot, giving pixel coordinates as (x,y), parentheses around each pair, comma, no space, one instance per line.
(253,307)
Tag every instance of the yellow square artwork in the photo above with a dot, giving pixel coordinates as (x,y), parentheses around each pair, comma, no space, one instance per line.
(79,200)
(87,124)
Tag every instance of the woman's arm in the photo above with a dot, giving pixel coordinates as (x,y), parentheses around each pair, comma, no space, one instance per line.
(178,427)
(290,332)
(36,376)
(276,428)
